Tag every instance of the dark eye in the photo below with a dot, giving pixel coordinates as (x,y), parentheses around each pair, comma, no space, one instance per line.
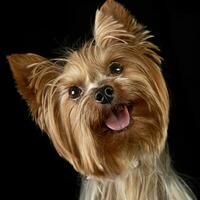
(75,92)
(116,68)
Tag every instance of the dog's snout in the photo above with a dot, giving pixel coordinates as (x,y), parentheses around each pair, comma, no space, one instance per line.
(104,95)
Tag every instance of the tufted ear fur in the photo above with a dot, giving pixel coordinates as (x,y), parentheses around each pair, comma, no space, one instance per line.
(114,24)
(32,74)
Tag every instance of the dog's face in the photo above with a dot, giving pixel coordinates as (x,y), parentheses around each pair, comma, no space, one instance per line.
(108,105)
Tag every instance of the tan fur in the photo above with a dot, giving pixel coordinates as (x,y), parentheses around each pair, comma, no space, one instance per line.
(132,164)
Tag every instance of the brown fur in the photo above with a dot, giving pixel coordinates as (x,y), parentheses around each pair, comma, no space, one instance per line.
(132,163)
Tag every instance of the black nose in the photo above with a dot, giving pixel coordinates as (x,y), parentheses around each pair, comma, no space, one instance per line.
(104,94)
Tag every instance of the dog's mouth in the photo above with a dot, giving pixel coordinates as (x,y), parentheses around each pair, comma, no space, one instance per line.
(118,118)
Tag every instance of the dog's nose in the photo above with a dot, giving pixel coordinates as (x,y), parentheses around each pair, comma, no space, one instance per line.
(104,95)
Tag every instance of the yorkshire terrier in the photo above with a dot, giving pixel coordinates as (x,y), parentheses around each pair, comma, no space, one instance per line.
(106,110)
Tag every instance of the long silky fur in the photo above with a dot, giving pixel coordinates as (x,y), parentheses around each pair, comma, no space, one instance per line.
(134,164)
(153,178)
(156,181)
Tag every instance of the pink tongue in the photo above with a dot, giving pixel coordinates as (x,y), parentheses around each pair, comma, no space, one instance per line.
(118,121)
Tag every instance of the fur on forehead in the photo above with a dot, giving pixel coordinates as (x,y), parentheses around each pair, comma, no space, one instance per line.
(116,35)
(92,61)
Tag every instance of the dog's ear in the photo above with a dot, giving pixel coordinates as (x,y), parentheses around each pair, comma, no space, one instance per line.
(114,24)
(32,74)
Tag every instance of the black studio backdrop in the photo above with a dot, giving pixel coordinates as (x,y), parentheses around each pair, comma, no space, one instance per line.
(30,166)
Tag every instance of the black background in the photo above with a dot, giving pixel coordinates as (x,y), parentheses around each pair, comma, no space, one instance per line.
(30,166)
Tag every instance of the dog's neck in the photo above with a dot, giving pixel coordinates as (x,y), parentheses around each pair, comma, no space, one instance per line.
(141,183)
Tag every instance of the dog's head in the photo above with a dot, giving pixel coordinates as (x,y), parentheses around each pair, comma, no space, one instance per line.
(108,104)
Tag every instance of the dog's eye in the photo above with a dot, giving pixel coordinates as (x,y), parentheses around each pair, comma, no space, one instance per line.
(75,92)
(116,68)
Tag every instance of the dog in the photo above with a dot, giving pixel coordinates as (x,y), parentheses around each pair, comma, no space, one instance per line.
(105,107)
